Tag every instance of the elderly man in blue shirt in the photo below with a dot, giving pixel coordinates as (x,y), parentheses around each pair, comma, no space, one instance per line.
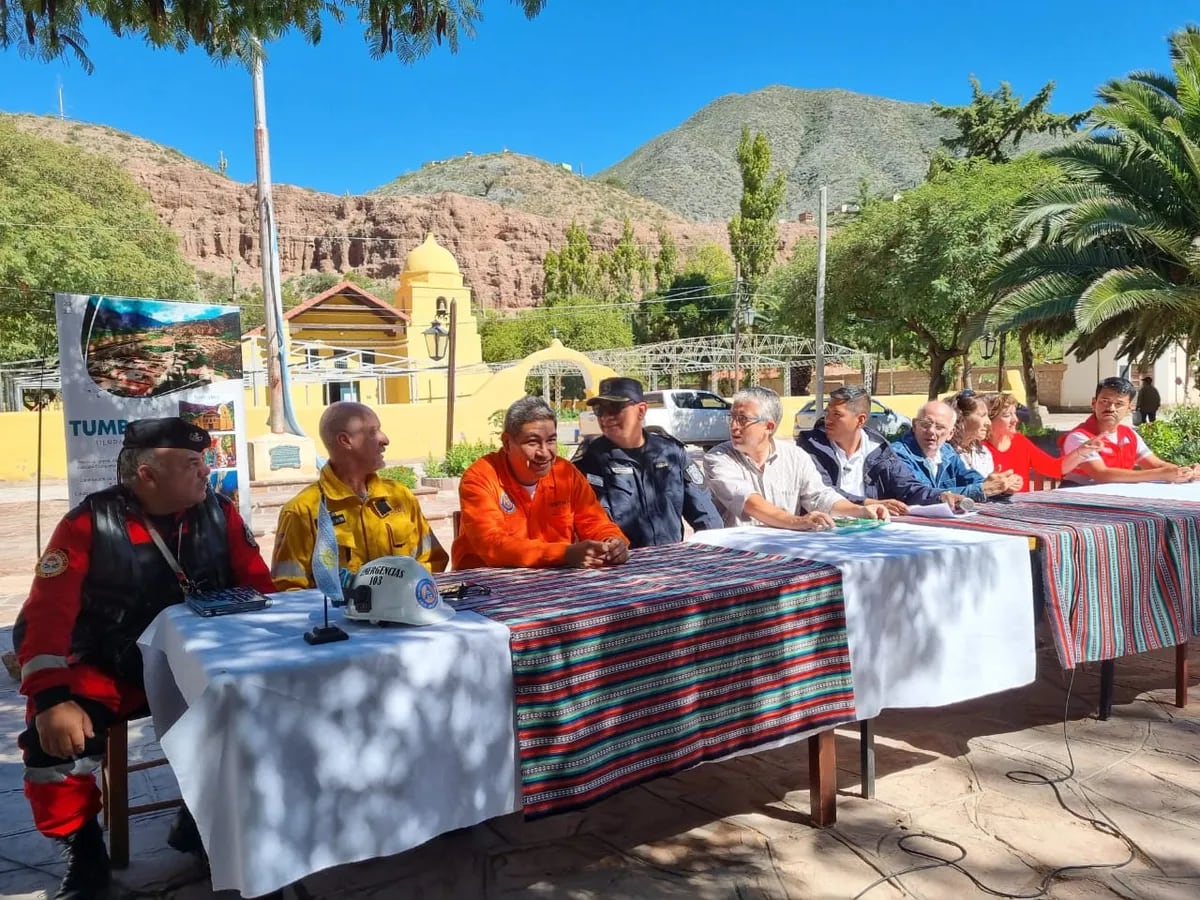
(936,464)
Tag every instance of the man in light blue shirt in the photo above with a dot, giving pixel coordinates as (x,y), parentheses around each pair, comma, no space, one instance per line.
(936,464)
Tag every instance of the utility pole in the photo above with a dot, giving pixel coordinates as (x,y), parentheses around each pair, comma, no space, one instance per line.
(279,419)
(822,240)
(737,326)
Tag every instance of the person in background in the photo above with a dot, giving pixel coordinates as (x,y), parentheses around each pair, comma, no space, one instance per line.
(858,462)
(1148,401)
(113,563)
(927,452)
(971,430)
(644,481)
(756,479)
(525,506)
(1014,451)
(1123,455)
(372,516)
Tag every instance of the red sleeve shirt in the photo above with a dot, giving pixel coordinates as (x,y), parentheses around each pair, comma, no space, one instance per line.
(52,608)
(1023,456)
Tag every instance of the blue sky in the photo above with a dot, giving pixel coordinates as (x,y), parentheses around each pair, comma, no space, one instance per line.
(586,82)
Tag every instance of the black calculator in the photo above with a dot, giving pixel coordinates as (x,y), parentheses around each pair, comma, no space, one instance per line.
(225,601)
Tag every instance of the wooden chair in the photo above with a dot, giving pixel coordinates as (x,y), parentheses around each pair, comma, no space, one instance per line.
(1039,482)
(114,787)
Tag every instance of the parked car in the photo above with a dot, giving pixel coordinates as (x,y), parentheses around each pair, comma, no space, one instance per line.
(690,416)
(883,418)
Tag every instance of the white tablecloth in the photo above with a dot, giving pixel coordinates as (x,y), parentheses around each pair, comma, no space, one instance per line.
(294,758)
(1151,490)
(933,615)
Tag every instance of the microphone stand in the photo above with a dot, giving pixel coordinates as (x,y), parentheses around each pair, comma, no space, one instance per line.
(326,634)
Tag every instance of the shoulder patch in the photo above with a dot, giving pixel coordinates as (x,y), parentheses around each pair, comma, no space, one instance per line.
(52,563)
(695,476)
(506,502)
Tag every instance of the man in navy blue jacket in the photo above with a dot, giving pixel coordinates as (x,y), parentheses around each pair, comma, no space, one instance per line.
(858,462)
(936,464)
(644,481)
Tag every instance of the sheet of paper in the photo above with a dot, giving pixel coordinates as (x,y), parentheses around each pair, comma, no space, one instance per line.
(937,511)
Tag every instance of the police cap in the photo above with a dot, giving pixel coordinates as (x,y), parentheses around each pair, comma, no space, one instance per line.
(171,432)
(618,390)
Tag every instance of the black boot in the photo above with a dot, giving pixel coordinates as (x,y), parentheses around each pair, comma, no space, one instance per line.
(88,874)
(184,836)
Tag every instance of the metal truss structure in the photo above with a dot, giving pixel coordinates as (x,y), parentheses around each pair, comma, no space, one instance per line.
(316,362)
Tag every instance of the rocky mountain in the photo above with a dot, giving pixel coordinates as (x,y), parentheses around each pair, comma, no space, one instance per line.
(529,184)
(833,137)
(499,249)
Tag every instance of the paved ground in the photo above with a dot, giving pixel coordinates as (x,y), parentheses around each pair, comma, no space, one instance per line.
(740,829)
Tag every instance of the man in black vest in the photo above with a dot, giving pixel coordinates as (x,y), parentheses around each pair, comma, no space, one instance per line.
(115,561)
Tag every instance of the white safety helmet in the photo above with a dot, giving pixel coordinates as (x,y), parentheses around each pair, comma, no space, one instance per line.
(396,589)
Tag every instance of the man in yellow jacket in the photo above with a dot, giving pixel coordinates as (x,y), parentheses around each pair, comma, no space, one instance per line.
(372,516)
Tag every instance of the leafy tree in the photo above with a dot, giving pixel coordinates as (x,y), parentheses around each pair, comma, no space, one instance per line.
(753,230)
(580,324)
(1111,249)
(992,125)
(915,271)
(73,222)
(696,302)
(626,267)
(667,259)
(574,270)
(407,28)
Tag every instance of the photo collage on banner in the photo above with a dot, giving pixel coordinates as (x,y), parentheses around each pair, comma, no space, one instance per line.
(124,359)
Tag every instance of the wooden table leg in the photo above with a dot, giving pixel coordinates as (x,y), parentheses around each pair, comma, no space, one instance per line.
(1181,675)
(822,777)
(866,757)
(1108,671)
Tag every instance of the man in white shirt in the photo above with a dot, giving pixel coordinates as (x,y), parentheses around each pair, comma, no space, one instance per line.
(755,479)
(1125,456)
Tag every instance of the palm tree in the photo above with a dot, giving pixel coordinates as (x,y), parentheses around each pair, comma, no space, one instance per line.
(1113,249)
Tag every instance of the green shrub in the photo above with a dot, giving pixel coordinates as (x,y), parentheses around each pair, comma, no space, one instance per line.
(458,459)
(403,474)
(1175,437)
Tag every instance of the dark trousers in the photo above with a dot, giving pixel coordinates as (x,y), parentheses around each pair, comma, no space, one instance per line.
(1149,416)
(63,792)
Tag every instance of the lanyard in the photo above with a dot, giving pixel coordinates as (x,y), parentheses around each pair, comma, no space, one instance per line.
(185,583)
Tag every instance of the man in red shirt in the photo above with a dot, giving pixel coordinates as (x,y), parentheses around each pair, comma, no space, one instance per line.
(1124,456)
(525,506)
(113,563)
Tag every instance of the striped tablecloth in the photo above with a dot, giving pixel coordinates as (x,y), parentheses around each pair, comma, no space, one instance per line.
(1104,574)
(686,654)
(1178,568)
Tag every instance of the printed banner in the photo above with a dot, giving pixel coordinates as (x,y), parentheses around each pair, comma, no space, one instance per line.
(123,359)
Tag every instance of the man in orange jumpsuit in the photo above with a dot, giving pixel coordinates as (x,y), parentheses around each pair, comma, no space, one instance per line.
(525,506)
(113,563)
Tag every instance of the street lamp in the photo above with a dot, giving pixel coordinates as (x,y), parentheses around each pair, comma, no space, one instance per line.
(437,340)
(989,345)
(440,341)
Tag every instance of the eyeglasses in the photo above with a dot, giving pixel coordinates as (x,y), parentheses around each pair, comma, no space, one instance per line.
(611,408)
(744,421)
(930,425)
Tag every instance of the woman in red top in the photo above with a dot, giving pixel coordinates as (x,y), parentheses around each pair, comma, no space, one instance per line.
(1012,451)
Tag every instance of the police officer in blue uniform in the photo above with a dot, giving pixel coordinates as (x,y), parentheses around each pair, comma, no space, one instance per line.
(644,480)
